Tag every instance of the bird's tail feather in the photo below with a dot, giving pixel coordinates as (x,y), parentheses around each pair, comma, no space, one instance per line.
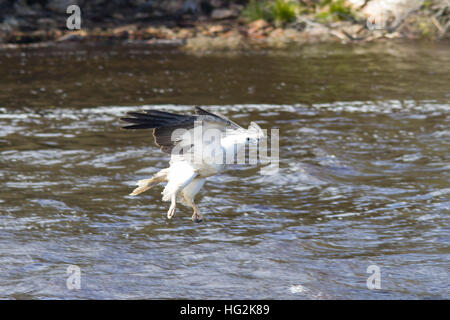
(145,184)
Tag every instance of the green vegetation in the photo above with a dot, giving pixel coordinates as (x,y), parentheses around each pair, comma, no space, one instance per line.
(426,28)
(284,11)
(281,12)
(278,11)
(256,10)
(330,10)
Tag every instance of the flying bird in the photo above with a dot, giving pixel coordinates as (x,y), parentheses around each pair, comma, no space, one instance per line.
(200,145)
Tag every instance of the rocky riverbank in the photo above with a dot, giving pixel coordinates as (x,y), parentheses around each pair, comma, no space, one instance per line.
(216,25)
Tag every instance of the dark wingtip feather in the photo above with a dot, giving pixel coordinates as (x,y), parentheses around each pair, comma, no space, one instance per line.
(153,119)
(139,126)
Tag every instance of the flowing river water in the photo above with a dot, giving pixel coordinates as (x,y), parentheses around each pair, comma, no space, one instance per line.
(363,177)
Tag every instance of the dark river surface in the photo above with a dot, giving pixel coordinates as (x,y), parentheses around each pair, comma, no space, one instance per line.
(363,178)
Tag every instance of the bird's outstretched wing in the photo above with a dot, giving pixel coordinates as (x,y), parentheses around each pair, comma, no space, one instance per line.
(218,116)
(165,124)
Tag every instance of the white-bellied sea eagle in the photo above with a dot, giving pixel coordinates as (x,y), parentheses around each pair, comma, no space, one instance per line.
(200,145)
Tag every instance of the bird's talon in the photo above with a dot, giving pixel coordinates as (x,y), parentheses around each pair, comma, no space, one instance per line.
(197,218)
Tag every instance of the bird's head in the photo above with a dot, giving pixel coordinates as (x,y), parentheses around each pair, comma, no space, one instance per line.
(254,133)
